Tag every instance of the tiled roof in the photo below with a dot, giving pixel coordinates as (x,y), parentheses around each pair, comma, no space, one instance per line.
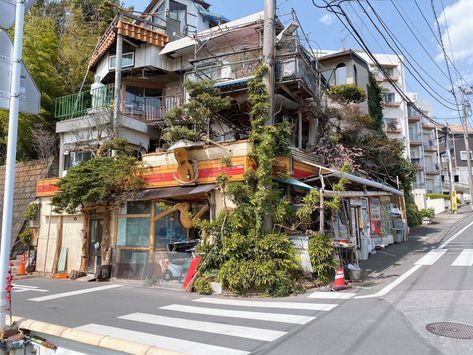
(27,173)
(458,129)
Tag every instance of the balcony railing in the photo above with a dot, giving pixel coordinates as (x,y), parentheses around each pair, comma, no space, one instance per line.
(418,162)
(415,139)
(393,126)
(430,145)
(148,109)
(432,168)
(80,104)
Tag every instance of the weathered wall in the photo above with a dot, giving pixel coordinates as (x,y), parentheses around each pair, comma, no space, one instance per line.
(437,204)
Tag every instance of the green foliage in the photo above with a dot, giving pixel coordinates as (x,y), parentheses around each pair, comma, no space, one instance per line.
(347,93)
(427,213)
(192,119)
(31,211)
(414,218)
(375,102)
(102,180)
(26,236)
(436,196)
(202,285)
(322,257)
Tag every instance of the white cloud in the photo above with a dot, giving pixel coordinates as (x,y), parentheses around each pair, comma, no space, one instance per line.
(460,28)
(326,19)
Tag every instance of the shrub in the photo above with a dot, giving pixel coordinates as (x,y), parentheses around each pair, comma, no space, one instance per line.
(322,257)
(202,285)
(414,218)
(427,213)
(31,211)
(348,93)
(26,236)
(436,196)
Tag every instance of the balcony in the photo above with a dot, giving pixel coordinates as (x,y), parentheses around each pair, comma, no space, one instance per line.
(430,146)
(427,125)
(418,163)
(432,169)
(147,109)
(415,140)
(393,126)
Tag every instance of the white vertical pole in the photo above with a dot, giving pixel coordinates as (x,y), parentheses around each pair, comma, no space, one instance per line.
(118,85)
(466,137)
(11,156)
(268,52)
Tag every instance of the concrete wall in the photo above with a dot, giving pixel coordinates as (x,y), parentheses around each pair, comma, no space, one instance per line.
(437,204)
(71,238)
(419,198)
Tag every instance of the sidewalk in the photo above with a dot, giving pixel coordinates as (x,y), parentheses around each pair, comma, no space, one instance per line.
(390,262)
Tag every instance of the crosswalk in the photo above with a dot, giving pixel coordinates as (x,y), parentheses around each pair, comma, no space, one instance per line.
(462,258)
(216,325)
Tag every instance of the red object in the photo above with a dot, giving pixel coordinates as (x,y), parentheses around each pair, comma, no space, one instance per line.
(339,278)
(192,270)
(22,268)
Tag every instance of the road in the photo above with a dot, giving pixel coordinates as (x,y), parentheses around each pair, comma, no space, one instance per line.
(431,285)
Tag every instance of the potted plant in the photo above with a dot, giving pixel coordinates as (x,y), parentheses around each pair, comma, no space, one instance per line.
(427,215)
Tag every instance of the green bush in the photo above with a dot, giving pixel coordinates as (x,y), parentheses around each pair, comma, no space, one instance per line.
(427,213)
(348,93)
(26,236)
(31,211)
(435,196)
(202,285)
(322,257)
(414,218)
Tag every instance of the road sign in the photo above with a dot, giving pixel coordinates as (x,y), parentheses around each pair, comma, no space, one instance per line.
(30,96)
(7,9)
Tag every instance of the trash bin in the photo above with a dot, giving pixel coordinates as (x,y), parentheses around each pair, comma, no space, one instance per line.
(364,249)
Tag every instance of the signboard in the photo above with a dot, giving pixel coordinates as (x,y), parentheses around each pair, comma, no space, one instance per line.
(7,9)
(453,199)
(30,96)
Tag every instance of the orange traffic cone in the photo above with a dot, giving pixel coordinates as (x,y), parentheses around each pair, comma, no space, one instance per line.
(339,282)
(22,268)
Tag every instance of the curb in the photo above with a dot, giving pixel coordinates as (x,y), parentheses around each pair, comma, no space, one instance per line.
(89,338)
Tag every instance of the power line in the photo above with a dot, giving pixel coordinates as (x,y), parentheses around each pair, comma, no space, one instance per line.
(339,12)
(394,40)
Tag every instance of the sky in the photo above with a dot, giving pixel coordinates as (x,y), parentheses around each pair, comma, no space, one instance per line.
(429,75)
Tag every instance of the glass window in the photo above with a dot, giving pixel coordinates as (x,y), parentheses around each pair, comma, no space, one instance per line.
(456,178)
(178,13)
(389,97)
(75,158)
(341,74)
(159,17)
(133,232)
(133,257)
(128,60)
(138,207)
(355,75)
(168,230)
(389,71)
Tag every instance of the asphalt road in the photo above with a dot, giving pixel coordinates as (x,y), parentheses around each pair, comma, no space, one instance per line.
(388,320)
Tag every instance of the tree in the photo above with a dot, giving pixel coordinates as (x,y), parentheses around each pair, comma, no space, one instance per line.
(375,102)
(102,181)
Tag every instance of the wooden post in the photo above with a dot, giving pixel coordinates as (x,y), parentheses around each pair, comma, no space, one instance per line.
(57,252)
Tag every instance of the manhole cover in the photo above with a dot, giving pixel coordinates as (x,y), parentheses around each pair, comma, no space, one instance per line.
(451,330)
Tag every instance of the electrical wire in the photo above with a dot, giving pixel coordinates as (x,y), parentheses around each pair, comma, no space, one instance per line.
(434,94)
(334,7)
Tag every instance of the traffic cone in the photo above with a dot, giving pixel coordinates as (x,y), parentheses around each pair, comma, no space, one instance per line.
(339,281)
(22,268)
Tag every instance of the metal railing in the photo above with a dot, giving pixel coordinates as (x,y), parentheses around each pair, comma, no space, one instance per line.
(430,145)
(224,71)
(80,104)
(417,138)
(148,109)
(432,167)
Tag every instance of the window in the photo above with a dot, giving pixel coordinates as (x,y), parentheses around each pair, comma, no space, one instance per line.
(128,60)
(389,71)
(389,97)
(136,98)
(340,74)
(72,159)
(463,155)
(133,232)
(443,178)
(138,207)
(168,229)
(159,17)
(177,17)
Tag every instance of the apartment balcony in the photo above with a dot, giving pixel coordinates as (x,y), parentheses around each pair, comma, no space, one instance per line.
(430,146)
(415,140)
(427,125)
(418,163)
(98,100)
(432,169)
(392,103)
(413,119)
(393,126)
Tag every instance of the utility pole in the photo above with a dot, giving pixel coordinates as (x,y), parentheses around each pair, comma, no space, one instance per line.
(269,47)
(118,83)
(467,144)
(453,194)
(15,91)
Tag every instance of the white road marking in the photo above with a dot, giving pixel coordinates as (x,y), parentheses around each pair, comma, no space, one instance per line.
(332,295)
(261,304)
(453,237)
(393,284)
(209,327)
(431,257)
(23,288)
(179,345)
(272,317)
(73,293)
(464,259)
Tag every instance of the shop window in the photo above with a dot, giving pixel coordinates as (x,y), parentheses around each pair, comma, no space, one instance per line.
(138,207)
(168,230)
(133,232)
